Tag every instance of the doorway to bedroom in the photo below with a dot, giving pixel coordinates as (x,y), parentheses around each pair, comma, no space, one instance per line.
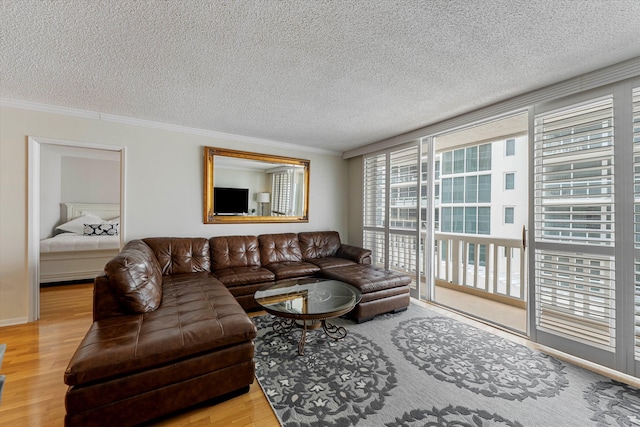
(75,212)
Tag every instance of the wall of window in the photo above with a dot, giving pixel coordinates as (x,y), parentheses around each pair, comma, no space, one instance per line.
(584,272)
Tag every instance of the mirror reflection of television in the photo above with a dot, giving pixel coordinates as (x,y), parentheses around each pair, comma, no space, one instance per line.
(230,201)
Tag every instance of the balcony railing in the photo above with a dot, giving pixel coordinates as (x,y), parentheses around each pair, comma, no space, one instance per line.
(486,266)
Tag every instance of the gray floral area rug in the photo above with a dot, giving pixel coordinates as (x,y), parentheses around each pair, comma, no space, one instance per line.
(418,368)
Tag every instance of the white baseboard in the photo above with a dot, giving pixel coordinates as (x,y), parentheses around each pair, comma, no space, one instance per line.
(14,321)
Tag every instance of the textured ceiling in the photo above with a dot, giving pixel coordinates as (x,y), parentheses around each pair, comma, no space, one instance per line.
(328,74)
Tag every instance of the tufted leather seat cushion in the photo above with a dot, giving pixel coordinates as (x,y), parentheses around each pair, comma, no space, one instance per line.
(331,262)
(177,255)
(280,253)
(367,278)
(235,260)
(235,276)
(198,314)
(136,276)
(289,270)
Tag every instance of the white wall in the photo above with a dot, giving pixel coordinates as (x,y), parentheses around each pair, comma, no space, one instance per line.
(50,190)
(90,180)
(163,190)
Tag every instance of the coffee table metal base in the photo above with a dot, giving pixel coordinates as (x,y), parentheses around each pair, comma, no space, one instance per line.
(284,326)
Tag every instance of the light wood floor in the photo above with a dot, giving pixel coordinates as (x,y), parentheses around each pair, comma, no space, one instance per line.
(501,314)
(38,353)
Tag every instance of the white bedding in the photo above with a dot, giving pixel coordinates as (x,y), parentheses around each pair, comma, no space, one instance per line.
(71,242)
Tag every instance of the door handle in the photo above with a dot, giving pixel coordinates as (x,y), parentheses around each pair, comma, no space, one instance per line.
(524,237)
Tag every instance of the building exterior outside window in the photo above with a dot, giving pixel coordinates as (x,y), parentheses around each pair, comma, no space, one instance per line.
(509,181)
(508,215)
(470,181)
(466,190)
(510,147)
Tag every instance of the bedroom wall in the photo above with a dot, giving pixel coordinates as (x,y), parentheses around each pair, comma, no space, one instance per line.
(90,180)
(163,190)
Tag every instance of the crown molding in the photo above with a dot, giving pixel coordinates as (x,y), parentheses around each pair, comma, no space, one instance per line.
(86,114)
(46,108)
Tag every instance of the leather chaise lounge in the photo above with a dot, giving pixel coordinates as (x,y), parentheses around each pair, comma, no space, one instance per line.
(166,335)
(170,327)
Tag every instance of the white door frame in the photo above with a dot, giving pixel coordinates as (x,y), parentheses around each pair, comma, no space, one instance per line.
(33,211)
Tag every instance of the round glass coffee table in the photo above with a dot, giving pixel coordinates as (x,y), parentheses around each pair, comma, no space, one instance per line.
(308,303)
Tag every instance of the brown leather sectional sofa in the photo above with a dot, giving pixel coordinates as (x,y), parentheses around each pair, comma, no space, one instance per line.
(170,327)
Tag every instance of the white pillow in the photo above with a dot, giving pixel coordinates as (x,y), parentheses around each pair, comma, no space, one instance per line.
(76,226)
(114,221)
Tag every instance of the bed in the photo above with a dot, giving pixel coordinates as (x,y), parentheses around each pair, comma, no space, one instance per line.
(80,252)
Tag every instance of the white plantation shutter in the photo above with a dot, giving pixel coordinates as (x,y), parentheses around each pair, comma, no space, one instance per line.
(374,191)
(375,207)
(574,175)
(376,242)
(391,208)
(403,181)
(404,216)
(281,191)
(575,296)
(636,205)
(574,222)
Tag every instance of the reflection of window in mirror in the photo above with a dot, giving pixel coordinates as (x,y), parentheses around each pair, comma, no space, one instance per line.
(287,189)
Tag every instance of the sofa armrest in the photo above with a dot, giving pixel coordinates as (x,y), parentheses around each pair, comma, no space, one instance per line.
(106,302)
(354,253)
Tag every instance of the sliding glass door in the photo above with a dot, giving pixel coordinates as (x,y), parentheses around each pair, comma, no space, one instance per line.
(480,211)
(450,210)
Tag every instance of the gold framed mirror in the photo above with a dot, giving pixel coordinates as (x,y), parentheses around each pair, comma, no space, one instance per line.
(245,187)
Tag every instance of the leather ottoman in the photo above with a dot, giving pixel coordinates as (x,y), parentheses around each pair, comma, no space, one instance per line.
(383,290)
